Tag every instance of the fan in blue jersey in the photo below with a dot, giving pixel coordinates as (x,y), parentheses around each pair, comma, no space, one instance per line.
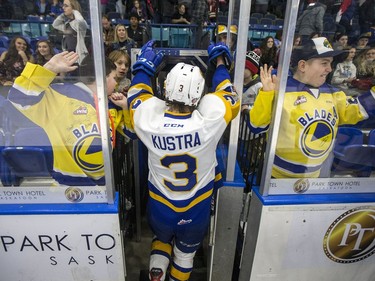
(312,111)
(68,114)
(181,134)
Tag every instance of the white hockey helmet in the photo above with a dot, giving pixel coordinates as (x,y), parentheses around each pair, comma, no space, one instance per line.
(184,84)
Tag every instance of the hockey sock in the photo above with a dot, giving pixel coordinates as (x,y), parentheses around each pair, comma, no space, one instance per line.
(160,256)
(182,265)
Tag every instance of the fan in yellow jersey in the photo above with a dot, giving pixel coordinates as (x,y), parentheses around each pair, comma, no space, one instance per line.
(312,111)
(68,114)
(181,134)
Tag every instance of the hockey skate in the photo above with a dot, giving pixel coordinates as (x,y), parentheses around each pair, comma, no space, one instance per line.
(156,274)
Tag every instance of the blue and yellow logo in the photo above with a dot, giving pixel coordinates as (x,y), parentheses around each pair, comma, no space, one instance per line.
(317,139)
(88,153)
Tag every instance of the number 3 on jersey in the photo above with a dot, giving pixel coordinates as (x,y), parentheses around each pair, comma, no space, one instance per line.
(188,174)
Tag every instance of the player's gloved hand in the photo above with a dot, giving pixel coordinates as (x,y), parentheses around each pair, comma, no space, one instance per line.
(219,49)
(148,59)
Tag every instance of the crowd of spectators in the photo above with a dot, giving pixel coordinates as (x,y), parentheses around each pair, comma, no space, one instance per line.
(71,23)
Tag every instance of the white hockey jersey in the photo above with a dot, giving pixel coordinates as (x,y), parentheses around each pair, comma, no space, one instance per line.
(181,147)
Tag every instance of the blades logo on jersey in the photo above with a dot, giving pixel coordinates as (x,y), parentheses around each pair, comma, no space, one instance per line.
(317,138)
(88,153)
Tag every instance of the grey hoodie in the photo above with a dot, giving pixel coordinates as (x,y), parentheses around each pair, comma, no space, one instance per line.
(311,20)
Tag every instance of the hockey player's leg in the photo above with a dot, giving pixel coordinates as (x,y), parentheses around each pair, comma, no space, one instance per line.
(159,259)
(182,265)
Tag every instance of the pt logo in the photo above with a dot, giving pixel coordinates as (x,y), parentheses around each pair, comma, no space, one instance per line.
(351,237)
(74,194)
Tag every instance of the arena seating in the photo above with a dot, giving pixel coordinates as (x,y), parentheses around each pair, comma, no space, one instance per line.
(266,21)
(180,37)
(270,16)
(4,41)
(28,151)
(28,156)
(256,15)
(166,34)
(351,155)
(160,35)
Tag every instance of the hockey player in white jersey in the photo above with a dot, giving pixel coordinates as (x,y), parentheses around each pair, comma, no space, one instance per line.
(181,134)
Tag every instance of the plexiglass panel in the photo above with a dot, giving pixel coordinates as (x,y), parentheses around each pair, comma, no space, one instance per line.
(57,131)
(317,115)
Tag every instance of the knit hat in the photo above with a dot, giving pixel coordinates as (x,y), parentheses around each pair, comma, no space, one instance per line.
(252,62)
(314,48)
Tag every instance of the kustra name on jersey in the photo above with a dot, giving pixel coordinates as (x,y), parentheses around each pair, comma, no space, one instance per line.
(176,142)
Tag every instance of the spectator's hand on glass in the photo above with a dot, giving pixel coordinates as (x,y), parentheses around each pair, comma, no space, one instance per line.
(62,62)
(268,80)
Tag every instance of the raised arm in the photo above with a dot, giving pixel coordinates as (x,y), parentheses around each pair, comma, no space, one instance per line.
(219,55)
(268,80)
(79,23)
(58,23)
(62,62)
(143,69)
(261,111)
(148,59)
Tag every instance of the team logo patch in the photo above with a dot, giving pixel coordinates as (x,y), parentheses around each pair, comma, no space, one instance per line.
(88,153)
(317,139)
(351,237)
(327,44)
(182,221)
(300,100)
(82,110)
(74,194)
(301,186)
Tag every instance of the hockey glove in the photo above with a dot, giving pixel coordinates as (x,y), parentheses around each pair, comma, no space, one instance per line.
(148,60)
(219,49)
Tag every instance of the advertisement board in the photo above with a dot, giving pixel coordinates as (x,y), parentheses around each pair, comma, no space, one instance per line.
(316,242)
(321,185)
(66,247)
(58,194)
